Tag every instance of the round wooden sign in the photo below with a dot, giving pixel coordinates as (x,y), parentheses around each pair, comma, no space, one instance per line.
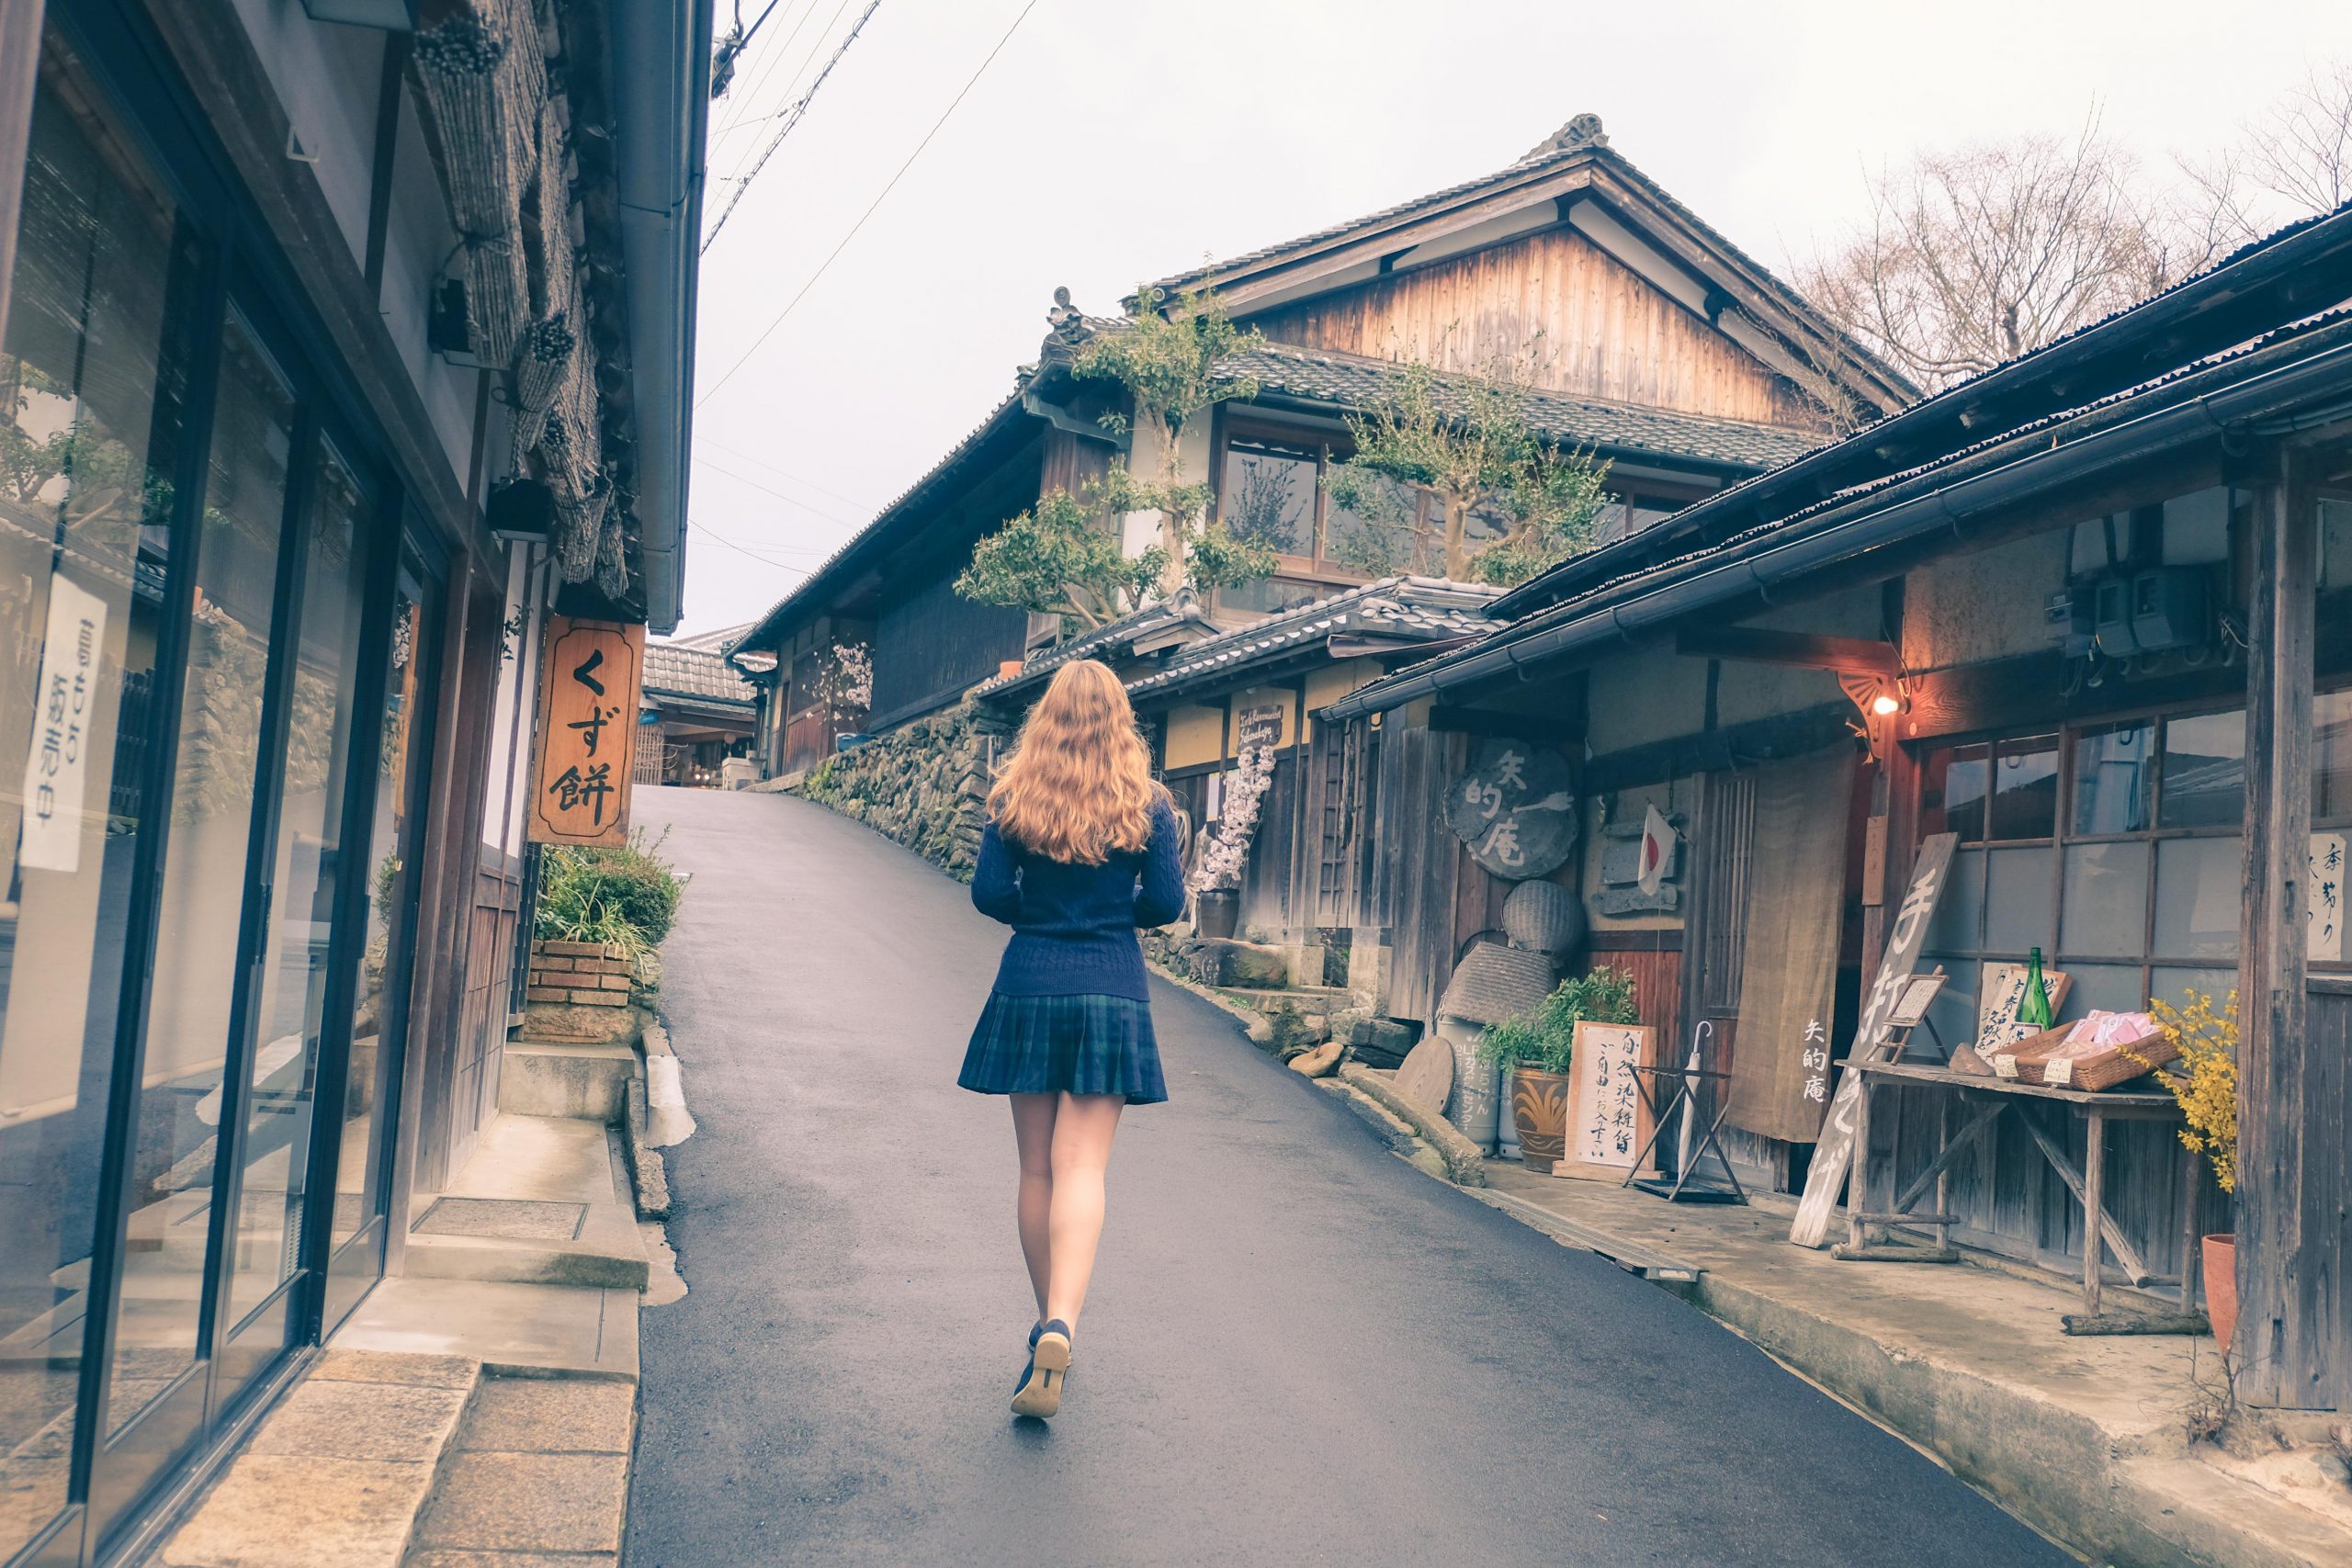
(1427,1077)
(1515,808)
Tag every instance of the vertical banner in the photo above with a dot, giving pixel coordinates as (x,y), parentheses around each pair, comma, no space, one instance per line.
(589,682)
(57,769)
(1826,1175)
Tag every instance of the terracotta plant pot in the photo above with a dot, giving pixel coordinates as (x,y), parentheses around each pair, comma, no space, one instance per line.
(1538,1104)
(1219,911)
(2222,1286)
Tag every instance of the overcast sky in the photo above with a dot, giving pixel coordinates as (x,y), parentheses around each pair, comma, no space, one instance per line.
(1113,142)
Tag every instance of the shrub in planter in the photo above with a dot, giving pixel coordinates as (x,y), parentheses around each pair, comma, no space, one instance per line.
(1537,1046)
(625,896)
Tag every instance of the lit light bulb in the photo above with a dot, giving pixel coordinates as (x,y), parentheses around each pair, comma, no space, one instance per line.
(1886,703)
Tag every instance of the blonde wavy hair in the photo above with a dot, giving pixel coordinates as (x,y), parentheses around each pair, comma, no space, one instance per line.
(1078,785)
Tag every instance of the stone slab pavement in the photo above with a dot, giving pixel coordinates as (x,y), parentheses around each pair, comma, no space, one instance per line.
(1298,1350)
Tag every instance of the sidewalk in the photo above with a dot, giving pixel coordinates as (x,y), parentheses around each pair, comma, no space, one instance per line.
(2084,1438)
(478,1411)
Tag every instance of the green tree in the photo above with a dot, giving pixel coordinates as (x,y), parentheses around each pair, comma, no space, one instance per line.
(1064,556)
(1470,443)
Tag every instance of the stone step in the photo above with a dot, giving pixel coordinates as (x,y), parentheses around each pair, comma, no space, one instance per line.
(527,1241)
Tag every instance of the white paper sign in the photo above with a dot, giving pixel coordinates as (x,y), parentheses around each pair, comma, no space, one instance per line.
(2323,916)
(1609,1095)
(57,768)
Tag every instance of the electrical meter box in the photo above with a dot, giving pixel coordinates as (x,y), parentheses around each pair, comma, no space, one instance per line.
(2169,609)
(2067,616)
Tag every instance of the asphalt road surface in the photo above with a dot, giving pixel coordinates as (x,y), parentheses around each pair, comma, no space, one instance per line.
(1298,1348)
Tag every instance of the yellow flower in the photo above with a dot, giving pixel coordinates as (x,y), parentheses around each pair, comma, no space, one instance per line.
(2208,1094)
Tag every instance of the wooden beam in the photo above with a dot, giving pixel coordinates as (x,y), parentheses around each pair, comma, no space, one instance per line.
(2285,1330)
(1738,745)
(1808,651)
(1515,726)
(19,69)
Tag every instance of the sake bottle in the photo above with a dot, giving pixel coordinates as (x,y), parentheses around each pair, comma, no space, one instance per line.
(2033,1008)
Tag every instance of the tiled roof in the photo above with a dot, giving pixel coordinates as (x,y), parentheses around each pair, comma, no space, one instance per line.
(2330,330)
(1110,638)
(672,670)
(1408,608)
(1361,383)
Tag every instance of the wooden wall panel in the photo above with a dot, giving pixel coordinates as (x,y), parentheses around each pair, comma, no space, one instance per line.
(1606,332)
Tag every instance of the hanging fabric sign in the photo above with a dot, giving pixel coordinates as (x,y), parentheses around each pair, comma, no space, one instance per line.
(588,703)
(57,768)
(1779,1083)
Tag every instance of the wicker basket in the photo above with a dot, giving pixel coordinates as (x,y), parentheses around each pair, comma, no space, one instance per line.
(2037,1059)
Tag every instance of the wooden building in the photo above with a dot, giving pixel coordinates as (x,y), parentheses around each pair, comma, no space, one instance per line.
(696,711)
(2091,614)
(282,343)
(1660,346)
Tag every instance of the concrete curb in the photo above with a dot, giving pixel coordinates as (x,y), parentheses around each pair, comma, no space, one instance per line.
(647,1175)
(1465,1166)
(1256,1025)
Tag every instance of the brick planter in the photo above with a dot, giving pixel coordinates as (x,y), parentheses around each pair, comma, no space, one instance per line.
(589,974)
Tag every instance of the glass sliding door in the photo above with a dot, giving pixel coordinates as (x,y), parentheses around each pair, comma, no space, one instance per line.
(281,1041)
(378,1010)
(157,1394)
(93,394)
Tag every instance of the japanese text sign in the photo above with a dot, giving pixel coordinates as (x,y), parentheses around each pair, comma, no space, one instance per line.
(1608,1115)
(57,767)
(1514,809)
(588,702)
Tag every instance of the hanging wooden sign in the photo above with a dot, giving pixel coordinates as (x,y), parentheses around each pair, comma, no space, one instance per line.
(1908,935)
(589,682)
(1514,809)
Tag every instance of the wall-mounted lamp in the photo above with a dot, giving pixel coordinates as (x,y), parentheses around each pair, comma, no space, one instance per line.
(1881,699)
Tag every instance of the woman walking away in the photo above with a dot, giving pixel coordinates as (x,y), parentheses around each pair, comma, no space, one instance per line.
(1079,849)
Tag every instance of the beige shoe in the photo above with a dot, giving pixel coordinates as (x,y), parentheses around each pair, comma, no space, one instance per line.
(1040,1394)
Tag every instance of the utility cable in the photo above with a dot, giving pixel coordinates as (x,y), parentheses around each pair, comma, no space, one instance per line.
(742,115)
(758,462)
(791,117)
(770,329)
(705,530)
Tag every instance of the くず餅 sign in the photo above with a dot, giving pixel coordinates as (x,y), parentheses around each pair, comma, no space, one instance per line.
(588,699)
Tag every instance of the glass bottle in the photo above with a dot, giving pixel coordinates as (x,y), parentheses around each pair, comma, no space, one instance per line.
(2033,1008)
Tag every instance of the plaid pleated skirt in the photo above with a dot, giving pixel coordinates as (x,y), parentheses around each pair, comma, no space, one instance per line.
(1089,1045)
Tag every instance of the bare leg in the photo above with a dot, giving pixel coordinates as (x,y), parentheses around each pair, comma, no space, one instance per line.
(1082,1129)
(1033,1130)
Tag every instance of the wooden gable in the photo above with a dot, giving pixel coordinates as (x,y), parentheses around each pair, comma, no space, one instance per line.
(1607,332)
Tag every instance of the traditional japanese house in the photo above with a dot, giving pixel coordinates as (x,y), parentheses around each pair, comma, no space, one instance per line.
(696,712)
(2086,621)
(1659,347)
(332,355)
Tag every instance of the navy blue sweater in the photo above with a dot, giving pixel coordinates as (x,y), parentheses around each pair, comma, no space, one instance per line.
(1074,926)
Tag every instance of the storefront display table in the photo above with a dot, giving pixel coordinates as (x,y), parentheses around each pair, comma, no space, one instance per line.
(1982,1102)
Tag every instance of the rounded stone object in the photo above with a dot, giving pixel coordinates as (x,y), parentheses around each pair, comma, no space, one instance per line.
(1544,917)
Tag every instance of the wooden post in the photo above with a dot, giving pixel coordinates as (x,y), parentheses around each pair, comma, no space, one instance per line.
(19,69)
(2280,1344)
(2094,1205)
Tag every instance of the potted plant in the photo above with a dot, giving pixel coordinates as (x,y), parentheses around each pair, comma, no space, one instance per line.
(1536,1047)
(2205,1083)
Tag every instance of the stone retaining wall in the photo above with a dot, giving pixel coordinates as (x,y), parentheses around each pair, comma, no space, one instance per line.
(924,785)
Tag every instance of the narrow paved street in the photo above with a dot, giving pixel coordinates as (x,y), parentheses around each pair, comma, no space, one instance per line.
(1298,1350)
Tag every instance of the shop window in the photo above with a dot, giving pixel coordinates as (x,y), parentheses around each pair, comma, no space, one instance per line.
(2201,772)
(1268,496)
(2025,789)
(2114,778)
(2130,883)
(1953,783)
(1270,595)
(2332,757)
(92,388)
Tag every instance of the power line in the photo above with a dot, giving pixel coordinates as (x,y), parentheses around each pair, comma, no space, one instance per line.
(759,462)
(877,201)
(719,538)
(780,495)
(742,115)
(791,117)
